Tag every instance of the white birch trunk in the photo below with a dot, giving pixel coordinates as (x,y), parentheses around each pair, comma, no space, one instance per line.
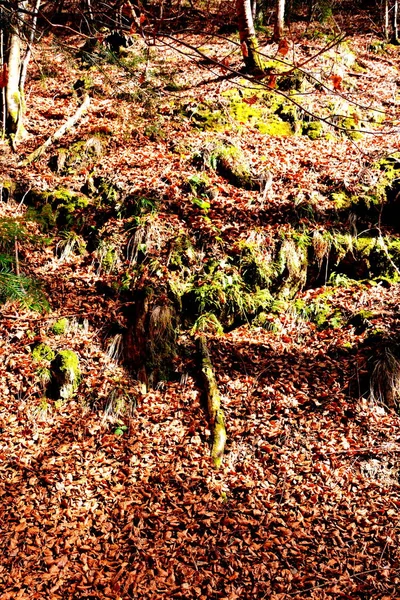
(279,20)
(248,39)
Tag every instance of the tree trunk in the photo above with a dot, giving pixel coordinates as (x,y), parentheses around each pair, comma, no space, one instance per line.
(386,19)
(395,34)
(14,46)
(280,20)
(248,39)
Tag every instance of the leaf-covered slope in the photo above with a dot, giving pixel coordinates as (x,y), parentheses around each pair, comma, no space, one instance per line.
(112,494)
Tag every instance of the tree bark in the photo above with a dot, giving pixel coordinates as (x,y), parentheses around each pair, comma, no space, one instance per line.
(14,68)
(279,20)
(248,39)
(395,36)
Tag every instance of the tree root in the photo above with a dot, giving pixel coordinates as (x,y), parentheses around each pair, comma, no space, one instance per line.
(58,134)
(215,412)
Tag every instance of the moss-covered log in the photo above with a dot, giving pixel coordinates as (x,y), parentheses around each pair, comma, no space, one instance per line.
(215,412)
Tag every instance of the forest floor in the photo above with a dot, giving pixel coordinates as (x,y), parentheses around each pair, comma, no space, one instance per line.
(113,494)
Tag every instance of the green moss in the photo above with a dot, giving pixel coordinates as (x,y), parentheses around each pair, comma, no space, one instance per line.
(313,130)
(388,184)
(275,127)
(42,352)
(231,163)
(44,216)
(60,327)
(206,116)
(254,60)
(295,81)
(261,109)
(221,291)
(68,200)
(66,374)
(364,245)
(107,256)
(7,188)
(155,132)
(182,252)
(320,311)
(352,128)
(63,204)
(255,263)
(377,47)
(291,264)
(199,184)
(357,68)
(207,323)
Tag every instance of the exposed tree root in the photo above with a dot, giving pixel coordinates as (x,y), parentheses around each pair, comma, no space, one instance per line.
(215,411)
(58,134)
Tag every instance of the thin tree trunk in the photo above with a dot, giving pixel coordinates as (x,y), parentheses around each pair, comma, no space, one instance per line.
(395,36)
(254,9)
(386,19)
(279,20)
(3,75)
(14,99)
(248,39)
(12,47)
(28,52)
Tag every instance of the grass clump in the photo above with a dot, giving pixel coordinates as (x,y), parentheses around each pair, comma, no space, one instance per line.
(385,378)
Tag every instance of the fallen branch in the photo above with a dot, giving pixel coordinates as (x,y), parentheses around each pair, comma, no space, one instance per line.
(58,134)
(215,412)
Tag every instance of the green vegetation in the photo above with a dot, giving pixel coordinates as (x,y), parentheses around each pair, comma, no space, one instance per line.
(42,352)
(24,290)
(60,326)
(65,375)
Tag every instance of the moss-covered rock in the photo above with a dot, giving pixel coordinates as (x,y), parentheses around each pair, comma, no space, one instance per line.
(42,352)
(64,205)
(65,375)
(314,130)
(352,127)
(60,326)
(7,189)
(291,265)
(231,163)
(206,116)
